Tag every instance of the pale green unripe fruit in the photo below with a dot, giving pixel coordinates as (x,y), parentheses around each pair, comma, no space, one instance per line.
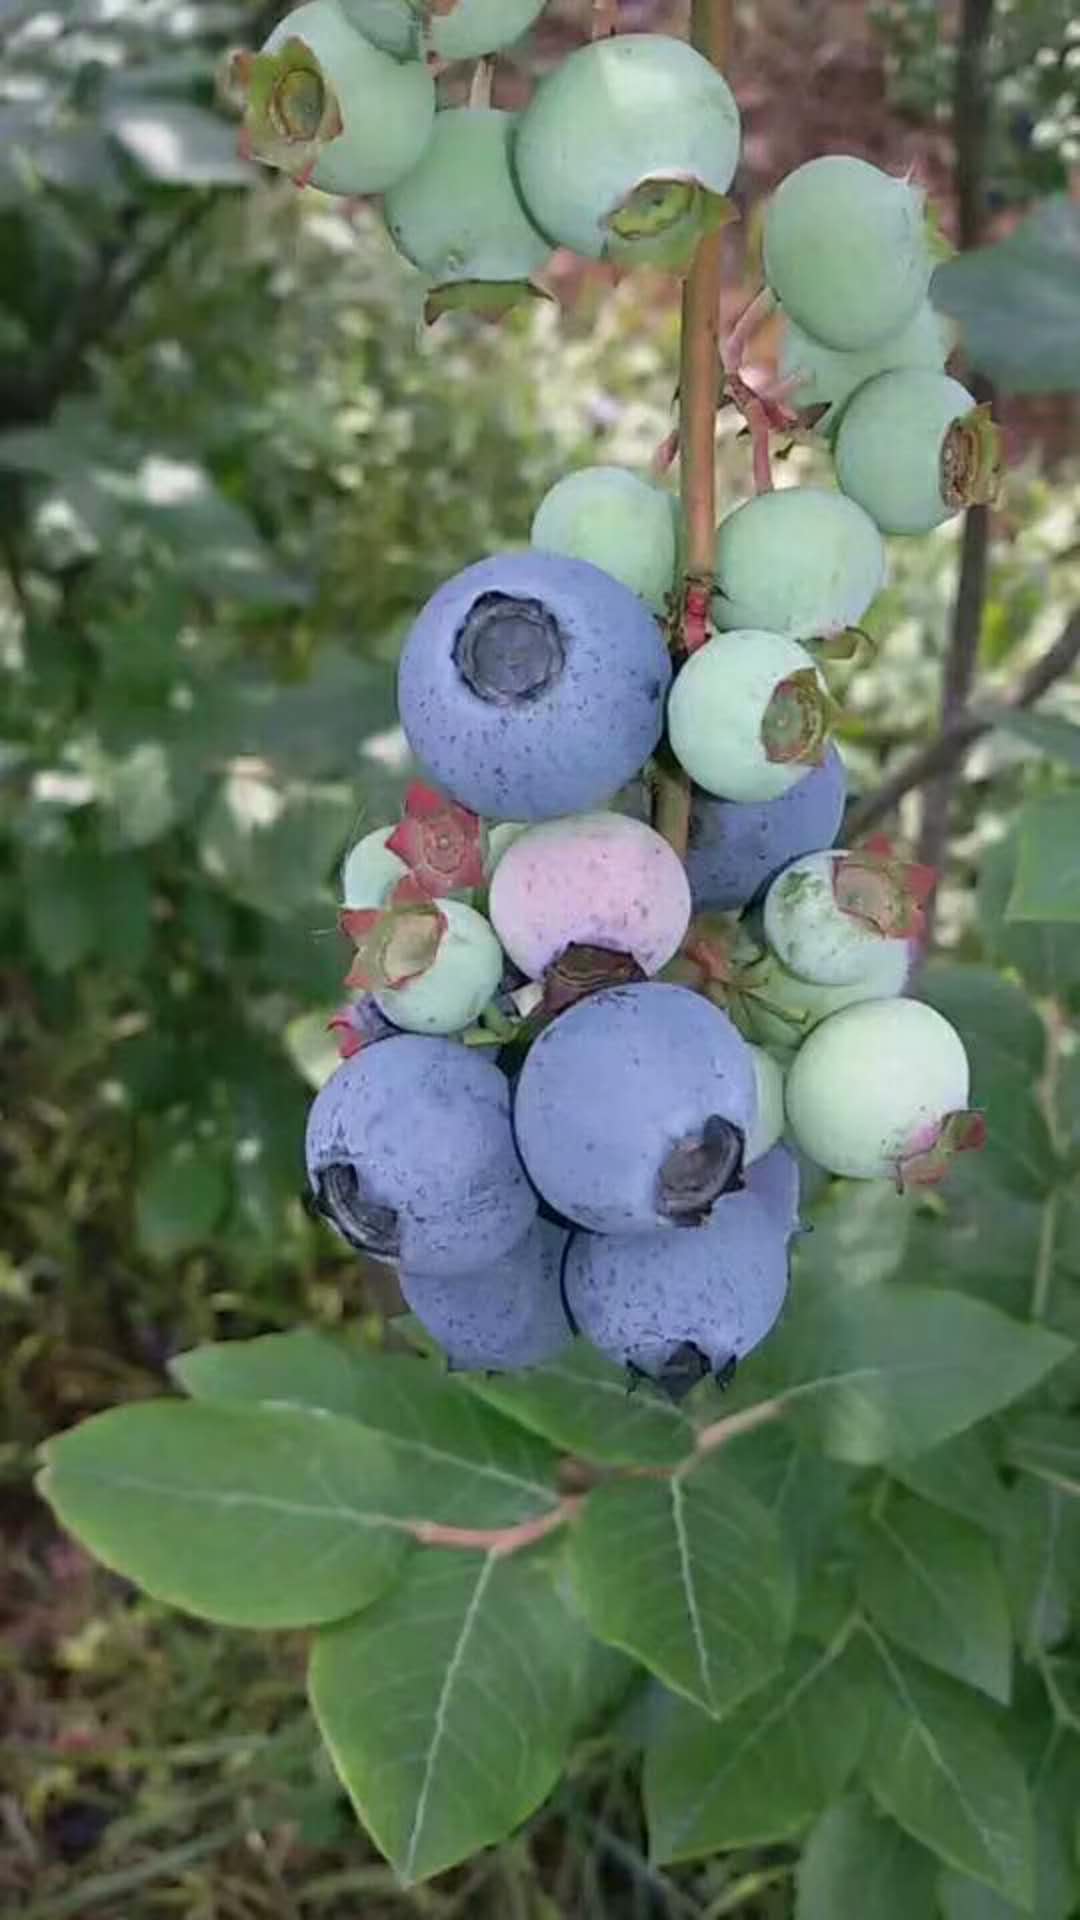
(500,839)
(387,107)
(845,250)
(475,27)
(803,561)
(812,935)
(908,450)
(619,522)
(457,215)
(614,116)
(723,703)
(872,1086)
(370,871)
(459,984)
(769,1120)
(828,377)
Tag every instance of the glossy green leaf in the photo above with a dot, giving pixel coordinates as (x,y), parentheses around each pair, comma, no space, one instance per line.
(856,1862)
(1045,953)
(803,1491)
(688,1574)
(1047,731)
(932,1583)
(448,1709)
(1006,1045)
(1041,1562)
(584,1404)
(460,1462)
(252,1518)
(766,1770)
(179,145)
(1047,882)
(1047,1445)
(938,1763)
(1018,302)
(890,1371)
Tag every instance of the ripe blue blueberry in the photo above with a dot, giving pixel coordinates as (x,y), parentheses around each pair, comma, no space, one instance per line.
(735,850)
(411,1156)
(506,1315)
(533,685)
(774,1181)
(633,1107)
(676,1306)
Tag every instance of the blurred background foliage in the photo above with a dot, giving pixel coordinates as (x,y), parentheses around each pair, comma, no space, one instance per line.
(232,465)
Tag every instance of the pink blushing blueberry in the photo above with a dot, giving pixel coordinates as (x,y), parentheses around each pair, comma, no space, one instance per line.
(592,879)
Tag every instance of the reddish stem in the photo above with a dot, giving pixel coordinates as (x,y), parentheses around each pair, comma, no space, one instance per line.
(498,1540)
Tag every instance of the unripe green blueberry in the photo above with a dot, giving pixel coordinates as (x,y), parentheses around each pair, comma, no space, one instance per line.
(470,29)
(453,992)
(880,1091)
(828,377)
(626,148)
(846,250)
(370,871)
(804,561)
(618,521)
(341,114)
(457,215)
(913,449)
(500,839)
(748,715)
(828,915)
(769,1122)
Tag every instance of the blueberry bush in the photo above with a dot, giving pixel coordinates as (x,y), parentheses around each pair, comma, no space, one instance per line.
(439,881)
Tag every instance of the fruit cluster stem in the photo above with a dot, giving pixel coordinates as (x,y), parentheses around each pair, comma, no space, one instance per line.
(699,398)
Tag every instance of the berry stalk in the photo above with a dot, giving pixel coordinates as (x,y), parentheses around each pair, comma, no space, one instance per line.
(699,395)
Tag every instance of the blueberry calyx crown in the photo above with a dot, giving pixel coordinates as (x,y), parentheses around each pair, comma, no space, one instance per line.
(972,461)
(699,1169)
(797,720)
(365,1224)
(581,970)
(509,649)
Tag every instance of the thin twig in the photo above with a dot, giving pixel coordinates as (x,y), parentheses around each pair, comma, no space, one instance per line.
(498,1540)
(971,110)
(950,746)
(734,1424)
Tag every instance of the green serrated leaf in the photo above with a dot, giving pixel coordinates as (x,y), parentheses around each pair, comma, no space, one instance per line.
(583,1403)
(461,1463)
(448,1709)
(257,1519)
(887,1372)
(937,1763)
(689,1575)
(764,1771)
(932,1583)
(1046,886)
(856,1862)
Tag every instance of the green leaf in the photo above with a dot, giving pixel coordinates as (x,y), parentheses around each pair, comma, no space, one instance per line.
(1006,1045)
(959,1476)
(1018,302)
(448,1708)
(583,1403)
(1047,882)
(271,846)
(1054,1788)
(858,1237)
(932,1583)
(59,903)
(180,1197)
(1041,1562)
(1048,1445)
(1047,955)
(1047,731)
(857,1863)
(256,1519)
(179,145)
(804,1492)
(764,1771)
(886,1372)
(689,1575)
(938,1764)
(461,1463)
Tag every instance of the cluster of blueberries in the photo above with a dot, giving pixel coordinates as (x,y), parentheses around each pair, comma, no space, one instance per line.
(578,1069)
